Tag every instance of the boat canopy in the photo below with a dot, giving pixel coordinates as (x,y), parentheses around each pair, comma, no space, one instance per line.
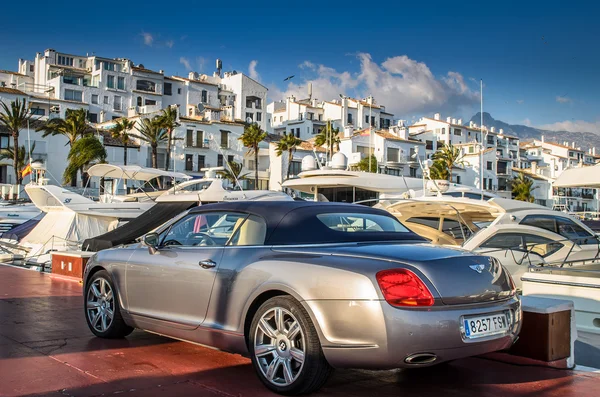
(134,172)
(586,177)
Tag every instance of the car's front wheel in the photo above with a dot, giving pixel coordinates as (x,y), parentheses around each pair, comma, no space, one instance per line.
(102,310)
(285,348)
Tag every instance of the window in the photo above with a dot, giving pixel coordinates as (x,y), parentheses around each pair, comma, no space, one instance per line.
(219,160)
(224,139)
(433,223)
(349,223)
(523,242)
(458,179)
(280,119)
(71,80)
(443,131)
(490,140)
(93,117)
(393,155)
(117,105)
(367,119)
(364,150)
(199,138)
(31,68)
(248,102)
(429,145)
(168,88)
(201,161)
(394,172)
(250,117)
(179,91)
(139,101)
(38,111)
(457,132)
(96,81)
(149,102)
(297,132)
(249,231)
(373,120)
(110,81)
(189,162)
(95,99)
(471,149)
(204,96)
(63,60)
(310,116)
(203,230)
(257,103)
(189,138)
(145,85)
(320,117)
(121,83)
(73,95)
(230,159)
(349,118)
(258,116)
(105,99)
(490,166)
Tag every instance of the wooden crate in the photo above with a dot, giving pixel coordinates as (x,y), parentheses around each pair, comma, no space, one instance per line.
(70,264)
(544,336)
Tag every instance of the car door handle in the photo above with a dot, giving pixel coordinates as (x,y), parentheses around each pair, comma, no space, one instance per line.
(207,264)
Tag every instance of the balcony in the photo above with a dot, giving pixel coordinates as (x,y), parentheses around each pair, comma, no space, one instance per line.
(195,145)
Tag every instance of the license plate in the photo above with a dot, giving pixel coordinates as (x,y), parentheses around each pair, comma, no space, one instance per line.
(486,325)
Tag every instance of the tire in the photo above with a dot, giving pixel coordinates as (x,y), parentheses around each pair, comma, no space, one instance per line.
(100,299)
(275,350)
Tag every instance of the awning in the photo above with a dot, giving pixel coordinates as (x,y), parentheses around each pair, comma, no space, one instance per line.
(586,177)
(134,172)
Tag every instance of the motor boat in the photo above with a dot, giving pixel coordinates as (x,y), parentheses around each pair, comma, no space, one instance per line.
(520,235)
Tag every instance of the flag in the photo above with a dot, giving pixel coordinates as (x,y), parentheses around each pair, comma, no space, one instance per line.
(26,171)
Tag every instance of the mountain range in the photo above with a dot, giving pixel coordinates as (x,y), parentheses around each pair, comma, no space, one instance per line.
(584,140)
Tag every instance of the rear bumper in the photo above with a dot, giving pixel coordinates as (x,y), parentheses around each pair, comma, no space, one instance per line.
(375,335)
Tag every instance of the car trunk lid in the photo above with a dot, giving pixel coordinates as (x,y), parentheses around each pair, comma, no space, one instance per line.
(460,277)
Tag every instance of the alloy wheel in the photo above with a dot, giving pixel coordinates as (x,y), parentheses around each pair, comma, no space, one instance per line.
(279,346)
(100,304)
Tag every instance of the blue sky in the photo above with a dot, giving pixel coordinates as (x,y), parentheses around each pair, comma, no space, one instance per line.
(539,59)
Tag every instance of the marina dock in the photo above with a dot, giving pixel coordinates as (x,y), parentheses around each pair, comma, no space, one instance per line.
(46,349)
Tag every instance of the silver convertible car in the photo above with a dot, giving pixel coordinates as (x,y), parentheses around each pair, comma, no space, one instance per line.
(302,288)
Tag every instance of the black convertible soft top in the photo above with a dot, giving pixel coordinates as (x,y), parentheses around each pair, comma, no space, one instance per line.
(296,222)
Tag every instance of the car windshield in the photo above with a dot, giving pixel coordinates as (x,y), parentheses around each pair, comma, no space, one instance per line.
(348,222)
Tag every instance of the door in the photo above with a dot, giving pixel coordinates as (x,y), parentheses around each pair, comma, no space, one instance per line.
(175,283)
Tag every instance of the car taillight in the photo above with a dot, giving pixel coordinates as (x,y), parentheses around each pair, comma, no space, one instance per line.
(401,287)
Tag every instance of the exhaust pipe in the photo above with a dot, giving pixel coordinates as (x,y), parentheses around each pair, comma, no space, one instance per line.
(420,358)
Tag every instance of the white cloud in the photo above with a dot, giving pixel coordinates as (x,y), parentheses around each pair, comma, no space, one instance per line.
(520,101)
(148,38)
(169,43)
(527,122)
(252,70)
(563,99)
(573,126)
(307,65)
(185,62)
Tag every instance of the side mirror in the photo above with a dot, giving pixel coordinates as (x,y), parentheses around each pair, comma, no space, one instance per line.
(151,241)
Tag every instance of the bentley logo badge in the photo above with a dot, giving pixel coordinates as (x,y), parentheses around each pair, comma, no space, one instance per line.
(478,268)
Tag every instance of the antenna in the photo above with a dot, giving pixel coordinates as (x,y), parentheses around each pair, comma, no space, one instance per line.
(249,120)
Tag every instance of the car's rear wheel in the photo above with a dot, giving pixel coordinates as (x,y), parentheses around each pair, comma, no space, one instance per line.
(102,311)
(285,348)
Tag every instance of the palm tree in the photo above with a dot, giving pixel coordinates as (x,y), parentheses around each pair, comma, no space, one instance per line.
(522,188)
(253,135)
(438,170)
(328,137)
(363,165)
(448,156)
(73,127)
(84,151)
(234,172)
(22,156)
(288,144)
(121,132)
(15,117)
(168,121)
(151,131)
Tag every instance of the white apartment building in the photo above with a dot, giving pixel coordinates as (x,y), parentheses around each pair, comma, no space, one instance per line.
(306,117)
(547,160)
(110,89)
(500,150)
